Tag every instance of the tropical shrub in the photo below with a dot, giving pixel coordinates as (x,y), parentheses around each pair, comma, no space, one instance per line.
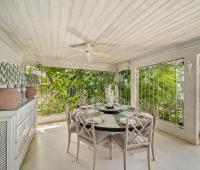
(161,86)
(61,86)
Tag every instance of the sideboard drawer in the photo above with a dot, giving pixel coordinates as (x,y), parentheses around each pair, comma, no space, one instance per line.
(21,116)
(24,150)
(20,144)
(28,120)
(24,111)
(20,130)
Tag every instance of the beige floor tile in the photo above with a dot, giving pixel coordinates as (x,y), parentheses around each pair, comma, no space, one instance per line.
(48,152)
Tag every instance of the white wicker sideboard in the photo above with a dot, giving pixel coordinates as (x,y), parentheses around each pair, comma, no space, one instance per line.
(17,128)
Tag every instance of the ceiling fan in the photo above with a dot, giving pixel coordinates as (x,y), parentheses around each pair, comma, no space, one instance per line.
(89,47)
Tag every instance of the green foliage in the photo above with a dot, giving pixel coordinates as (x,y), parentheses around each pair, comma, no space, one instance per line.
(124,85)
(61,86)
(162,85)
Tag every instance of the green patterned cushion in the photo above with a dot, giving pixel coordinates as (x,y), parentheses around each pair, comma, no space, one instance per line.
(32,79)
(4,72)
(14,77)
(11,74)
(23,78)
(19,75)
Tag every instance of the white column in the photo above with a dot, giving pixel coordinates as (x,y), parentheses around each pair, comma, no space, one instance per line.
(191,99)
(198,94)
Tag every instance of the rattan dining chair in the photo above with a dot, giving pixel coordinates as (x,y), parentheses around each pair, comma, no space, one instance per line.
(82,102)
(119,100)
(71,126)
(86,133)
(154,112)
(97,100)
(138,136)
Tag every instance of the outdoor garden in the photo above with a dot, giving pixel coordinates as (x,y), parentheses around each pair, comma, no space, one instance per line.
(159,86)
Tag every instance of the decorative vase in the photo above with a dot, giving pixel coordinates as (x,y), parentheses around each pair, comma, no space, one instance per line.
(110,95)
(9,98)
(31,92)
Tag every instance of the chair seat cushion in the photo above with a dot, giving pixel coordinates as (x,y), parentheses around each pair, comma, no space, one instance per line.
(100,137)
(133,141)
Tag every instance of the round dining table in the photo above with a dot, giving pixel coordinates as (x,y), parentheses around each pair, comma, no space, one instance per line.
(111,123)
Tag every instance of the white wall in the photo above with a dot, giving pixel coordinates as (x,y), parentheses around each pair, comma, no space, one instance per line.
(198,89)
(190,132)
(8,54)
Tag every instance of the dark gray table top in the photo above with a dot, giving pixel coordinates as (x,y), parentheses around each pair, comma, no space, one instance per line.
(111,122)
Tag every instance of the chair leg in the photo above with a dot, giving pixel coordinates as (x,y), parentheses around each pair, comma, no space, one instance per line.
(152,149)
(125,159)
(78,148)
(148,157)
(94,161)
(110,147)
(69,140)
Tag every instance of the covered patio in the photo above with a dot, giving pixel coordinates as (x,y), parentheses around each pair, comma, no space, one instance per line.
(156,42)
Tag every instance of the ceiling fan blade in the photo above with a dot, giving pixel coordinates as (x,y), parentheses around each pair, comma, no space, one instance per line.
(103,44)
(100,46)
(78,45)
(102,54)
(79,35)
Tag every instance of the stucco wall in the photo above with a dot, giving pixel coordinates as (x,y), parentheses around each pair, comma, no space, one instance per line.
(190,132)
(198,87)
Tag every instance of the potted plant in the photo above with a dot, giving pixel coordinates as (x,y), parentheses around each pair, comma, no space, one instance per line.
(10,97)
(32,80)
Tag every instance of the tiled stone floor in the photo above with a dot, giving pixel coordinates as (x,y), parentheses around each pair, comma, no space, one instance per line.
(48,152)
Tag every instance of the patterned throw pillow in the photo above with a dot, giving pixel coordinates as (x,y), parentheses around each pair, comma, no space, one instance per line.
(4,73)
(32,79)
(11,74)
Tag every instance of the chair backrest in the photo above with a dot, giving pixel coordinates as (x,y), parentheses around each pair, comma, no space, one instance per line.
(153,110)
(120,100)
(85,126)
(131,108)
(139,130)
(68,115)
(97,100)
(142,104)
(70,121)
(82,102)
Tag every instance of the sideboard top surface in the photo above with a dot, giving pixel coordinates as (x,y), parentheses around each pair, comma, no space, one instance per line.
(9,113)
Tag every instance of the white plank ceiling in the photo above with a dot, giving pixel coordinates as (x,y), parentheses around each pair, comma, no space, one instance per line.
(42,29)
